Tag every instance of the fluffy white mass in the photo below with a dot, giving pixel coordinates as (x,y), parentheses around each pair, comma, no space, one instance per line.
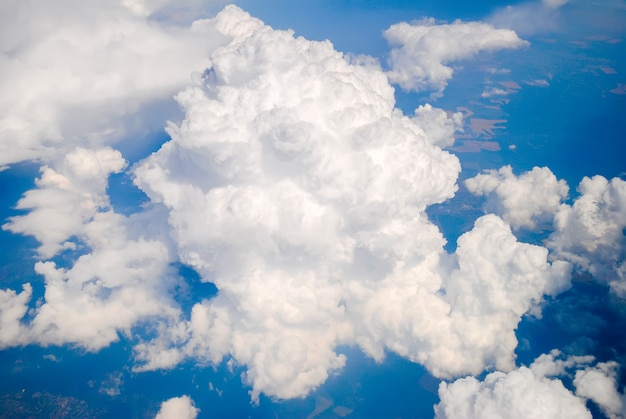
(599,383)
(83,73)
(422,50)
(590,233)
(178,408)
(296,187)
(120,274)
(522,201)
(533,392)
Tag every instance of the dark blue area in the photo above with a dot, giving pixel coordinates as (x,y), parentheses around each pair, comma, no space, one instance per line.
(124,196)
(193,289)
(17,252)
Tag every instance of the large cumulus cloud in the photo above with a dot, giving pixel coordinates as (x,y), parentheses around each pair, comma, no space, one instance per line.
(296,187)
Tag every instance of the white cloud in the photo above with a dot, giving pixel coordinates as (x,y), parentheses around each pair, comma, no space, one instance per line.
(494,91)
(102,61)
(590,233)
(523,200)
(66,198)
(599,383)
(13,307)
(438,126)
(295,186)
(120,275)
(178,408)
(423,49)
(526,392)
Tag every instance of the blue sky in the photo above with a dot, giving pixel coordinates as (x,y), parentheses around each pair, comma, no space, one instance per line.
(393,209)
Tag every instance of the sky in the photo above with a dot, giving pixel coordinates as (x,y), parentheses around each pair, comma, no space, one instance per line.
(316,209)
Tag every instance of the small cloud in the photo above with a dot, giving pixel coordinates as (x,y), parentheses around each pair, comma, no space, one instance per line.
(537,83)
(111,386)
(494,91)
(510,84)
(178,408)
(51,357)
(493,70)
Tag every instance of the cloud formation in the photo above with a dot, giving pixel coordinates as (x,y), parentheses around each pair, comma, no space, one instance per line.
(178,408)
(293,184)
(590,233)
(534,391)
(422,50)
(119,273)
(296,187)
(523,200)
(102,61)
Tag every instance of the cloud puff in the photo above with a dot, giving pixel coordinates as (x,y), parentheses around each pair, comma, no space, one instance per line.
(523,200)
(178,408)
(70,195)
(421,50)
(599,383)
(590,233)
(526,392)
(296,187)
(103,60)
(119,273)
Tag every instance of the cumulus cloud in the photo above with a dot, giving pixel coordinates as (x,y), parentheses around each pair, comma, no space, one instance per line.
(599,383)
(590,233)
(66,198)
(523,200)
(178,408)
(104,61)
(533,391)
(296,187)
(422,50)
(293,184)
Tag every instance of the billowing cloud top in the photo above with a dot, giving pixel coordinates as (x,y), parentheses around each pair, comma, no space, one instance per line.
(295,186)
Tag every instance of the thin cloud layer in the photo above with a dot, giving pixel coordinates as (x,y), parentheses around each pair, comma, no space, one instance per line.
(298,190)
(535,391)
(422,50)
